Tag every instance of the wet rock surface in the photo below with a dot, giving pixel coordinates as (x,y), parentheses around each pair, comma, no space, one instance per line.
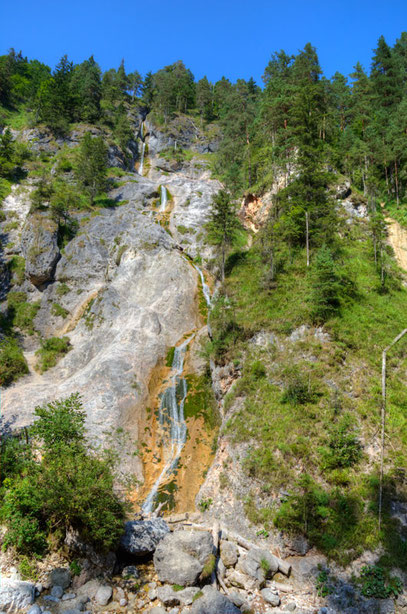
(141,537)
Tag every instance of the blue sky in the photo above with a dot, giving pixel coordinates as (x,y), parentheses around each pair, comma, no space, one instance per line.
(223,37)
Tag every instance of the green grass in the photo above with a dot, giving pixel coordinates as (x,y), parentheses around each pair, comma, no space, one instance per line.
(21,314)
(59,311)
(16,267)
(287,419)
(200,401)
(13,365)
(51,351)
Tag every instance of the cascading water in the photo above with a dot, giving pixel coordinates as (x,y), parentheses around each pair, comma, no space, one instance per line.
(172,421)
(205,287)
(163,204)
(143,148)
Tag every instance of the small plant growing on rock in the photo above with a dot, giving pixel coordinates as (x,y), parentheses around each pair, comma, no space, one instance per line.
(75,567)
(205,504)
(377,583)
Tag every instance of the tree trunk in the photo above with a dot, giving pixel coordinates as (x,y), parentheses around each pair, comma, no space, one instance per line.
(307,235)
(223,261)
(396,177)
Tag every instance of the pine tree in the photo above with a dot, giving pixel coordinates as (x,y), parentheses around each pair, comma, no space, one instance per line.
(222,225)
(92,165)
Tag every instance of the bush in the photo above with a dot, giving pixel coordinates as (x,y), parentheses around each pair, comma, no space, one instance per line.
(344,448)
(51,351)
(67,487)
(298,389)
(376,583)
(13,365)
(21,313)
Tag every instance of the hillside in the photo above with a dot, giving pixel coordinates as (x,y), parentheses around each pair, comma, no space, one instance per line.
(215,270)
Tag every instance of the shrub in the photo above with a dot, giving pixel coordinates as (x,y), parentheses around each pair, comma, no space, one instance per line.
(12,362)
(377,583)
(59,311)
(298,389)
(51,351)
(68,486)
(20,312)
(344,448)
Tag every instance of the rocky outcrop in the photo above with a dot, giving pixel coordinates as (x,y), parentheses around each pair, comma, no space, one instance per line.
(141,537)
(16,595)
(181,556)
(40,248)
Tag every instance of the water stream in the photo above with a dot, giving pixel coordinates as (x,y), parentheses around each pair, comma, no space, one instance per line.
(163,204)
(143,148)
(205,287)
(172,422)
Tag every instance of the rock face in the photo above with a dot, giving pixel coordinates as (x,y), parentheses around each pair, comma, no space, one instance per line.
(213,602)
(15,595)
(180,557)
(60,577)
(39,247)
(141,537)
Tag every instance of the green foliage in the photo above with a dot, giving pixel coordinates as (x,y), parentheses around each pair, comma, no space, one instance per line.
(13,365)
(377,583)
(60,423)
(16,267)
(51,351)
(91,166)
(222,225)
(21,313)
(323,584)
(328,287)
(75,567)
(59,311)
(205,504)
(28,569)
(208,568)
(66,486)
(298,389)
(344,448)
(62,289)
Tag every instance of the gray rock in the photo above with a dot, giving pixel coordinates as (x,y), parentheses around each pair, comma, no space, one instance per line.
(15,594)
(259,564)
(142,536)
(152,594)
(270,597)
(130,571)
(73,611)
(89,589)
(170,597)
(103,595)
(60,577)
(57,591)
(236,599)
(298,545)
(77,603)
(158,610)
(38,588)
(180,557)
(241,580)
(40,248)
(213,602)
(290,607)
(51,598)
(221,569)
(123,603)
(228,553)
(68,596)
(35,609)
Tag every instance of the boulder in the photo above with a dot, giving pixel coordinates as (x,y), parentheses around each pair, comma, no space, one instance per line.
(40,248)
(241,580)
(103,595)
(57,591)
(158,610)
(170,597)
(130,571)
(259,564)
(60,577)
(228,554)
(180,557)
(35,609)
(271,597)
(142,536)
(213,602)
(15,594)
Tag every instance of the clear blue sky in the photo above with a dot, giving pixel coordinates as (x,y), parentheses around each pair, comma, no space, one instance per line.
(234,38)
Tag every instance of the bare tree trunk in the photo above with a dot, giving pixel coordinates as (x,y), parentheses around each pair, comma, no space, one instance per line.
(307,235)
(396,177)
(383,420)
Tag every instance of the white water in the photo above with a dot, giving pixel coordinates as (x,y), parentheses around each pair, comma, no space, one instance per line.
(205,287)
(172,421)
(163,204)
(140,170)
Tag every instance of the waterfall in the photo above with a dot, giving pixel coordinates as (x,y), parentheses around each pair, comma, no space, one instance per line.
(163,198)
(172,421)
(140,170)
(205,287)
